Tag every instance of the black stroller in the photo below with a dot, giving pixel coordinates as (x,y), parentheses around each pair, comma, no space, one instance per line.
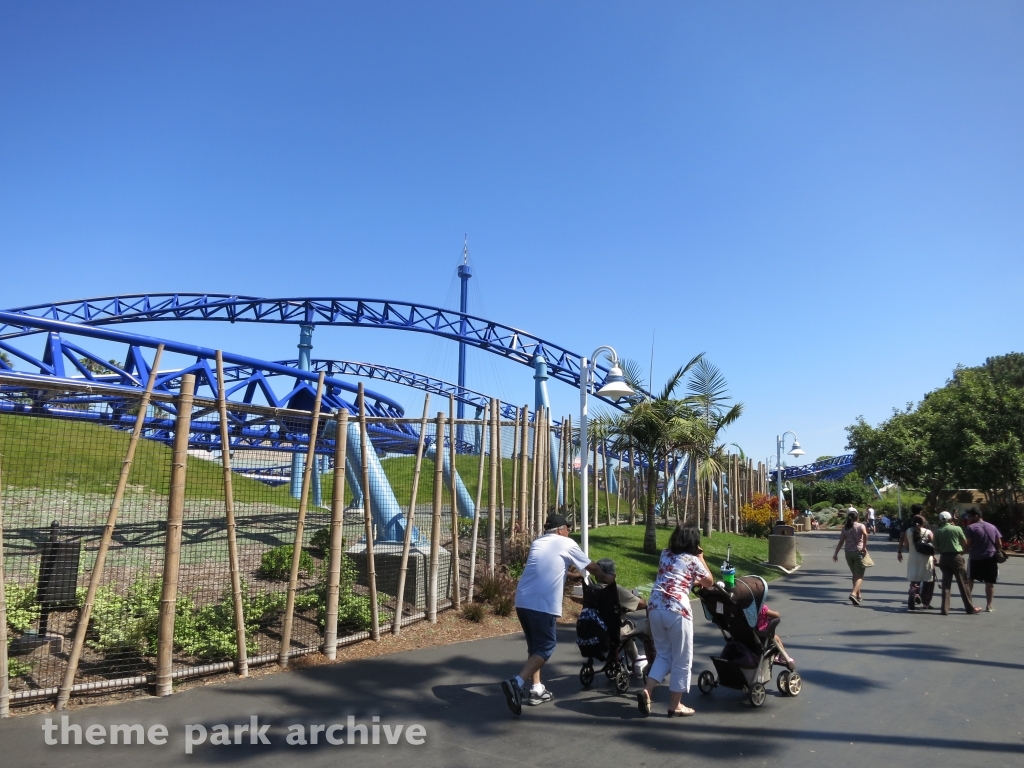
(745,663)
(599,636)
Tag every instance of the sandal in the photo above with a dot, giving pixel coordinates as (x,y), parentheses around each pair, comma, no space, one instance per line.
(643,702)
(683,711)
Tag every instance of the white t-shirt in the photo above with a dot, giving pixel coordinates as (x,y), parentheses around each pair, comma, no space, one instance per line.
(871,513)
(543,580)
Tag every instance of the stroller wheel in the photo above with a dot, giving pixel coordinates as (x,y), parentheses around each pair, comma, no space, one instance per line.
(586,675)
(782,681)
(757,695)
(706,682)
(795,683)
(622,681)
(611,671)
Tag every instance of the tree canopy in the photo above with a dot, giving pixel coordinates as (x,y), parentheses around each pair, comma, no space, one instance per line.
(967,434)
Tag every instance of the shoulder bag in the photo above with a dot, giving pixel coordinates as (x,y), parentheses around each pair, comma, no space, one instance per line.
(923,545)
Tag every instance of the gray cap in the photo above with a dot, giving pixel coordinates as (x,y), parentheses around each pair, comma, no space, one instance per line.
(607,565)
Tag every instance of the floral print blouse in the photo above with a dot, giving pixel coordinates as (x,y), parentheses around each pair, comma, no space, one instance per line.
(676,574)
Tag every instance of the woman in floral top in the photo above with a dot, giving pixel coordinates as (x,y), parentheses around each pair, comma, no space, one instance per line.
(681,567)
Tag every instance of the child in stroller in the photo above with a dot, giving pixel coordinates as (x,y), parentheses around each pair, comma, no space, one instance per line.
(604,632)
(750,651)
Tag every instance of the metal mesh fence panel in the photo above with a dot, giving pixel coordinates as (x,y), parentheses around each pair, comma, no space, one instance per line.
(61,452)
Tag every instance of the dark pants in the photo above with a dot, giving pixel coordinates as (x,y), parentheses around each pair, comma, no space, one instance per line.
(953,566)
(922,589)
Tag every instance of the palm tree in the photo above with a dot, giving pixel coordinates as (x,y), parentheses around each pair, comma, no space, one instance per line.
(655,426)
(708,390)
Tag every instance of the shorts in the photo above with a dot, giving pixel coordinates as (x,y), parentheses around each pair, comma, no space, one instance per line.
(856,564)
(986,570)
(539,628)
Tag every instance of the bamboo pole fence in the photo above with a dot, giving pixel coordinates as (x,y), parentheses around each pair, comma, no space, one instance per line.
(336,537)
(172,545)
(300,526)
(410,520)
(82,625)
(237,605)
(5,684)
(456,595)
(435,519)
(371,567)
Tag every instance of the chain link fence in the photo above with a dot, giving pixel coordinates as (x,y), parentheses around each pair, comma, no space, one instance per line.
(214,562)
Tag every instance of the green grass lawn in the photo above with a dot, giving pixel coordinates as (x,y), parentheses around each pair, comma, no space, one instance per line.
(624,544)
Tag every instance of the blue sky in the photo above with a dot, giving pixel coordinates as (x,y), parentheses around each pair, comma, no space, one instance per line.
(825,198)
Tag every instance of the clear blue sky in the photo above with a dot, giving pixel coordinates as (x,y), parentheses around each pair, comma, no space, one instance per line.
(826,198)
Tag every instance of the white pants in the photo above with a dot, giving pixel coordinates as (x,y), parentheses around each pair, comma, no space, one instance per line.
(673,641)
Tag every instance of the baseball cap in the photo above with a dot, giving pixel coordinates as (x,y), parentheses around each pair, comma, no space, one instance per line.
(965,514)
(555,521)
(945,516)
(607,565)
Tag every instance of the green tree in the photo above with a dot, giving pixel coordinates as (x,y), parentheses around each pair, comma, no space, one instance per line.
(655,427)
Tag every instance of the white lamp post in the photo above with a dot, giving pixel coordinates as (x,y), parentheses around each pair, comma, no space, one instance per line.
(795,451)
(615,388)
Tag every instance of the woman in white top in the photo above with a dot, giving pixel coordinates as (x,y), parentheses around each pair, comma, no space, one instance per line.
(920,566)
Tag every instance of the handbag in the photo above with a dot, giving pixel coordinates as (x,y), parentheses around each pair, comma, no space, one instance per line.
(865,559)
(923,546)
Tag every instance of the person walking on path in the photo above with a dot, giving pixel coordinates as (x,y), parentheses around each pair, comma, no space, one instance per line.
(854,541)
(539,605)
(920,565)
(870,514)
(671,624)
(984,542)
(949,543)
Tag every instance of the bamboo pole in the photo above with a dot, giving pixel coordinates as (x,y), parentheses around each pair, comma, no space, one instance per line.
(535,526)
(492,488)
(501,486)
(410,520)
(632,487)
(596,496)
(82,625)
(525,517)
(689,480)
(514,513)
(563,481)
(371,567)
(571,475)
(172,545)
(453,490)
(618,488)
(607,484)
(337,525)
(435,519)
(546,467)
(5,685)
(476,509)
(237,606)
(300,526)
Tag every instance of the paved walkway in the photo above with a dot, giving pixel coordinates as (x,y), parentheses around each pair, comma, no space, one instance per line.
(882,687)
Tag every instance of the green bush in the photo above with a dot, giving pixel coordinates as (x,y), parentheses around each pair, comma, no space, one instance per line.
(129,622)
(821,505)
(321,539)
(22,609)
(473,612)
(276,563)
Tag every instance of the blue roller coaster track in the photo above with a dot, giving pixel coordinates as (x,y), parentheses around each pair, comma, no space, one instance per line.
(497,338)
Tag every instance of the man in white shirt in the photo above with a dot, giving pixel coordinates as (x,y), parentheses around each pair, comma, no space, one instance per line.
(539,604)
(871,519)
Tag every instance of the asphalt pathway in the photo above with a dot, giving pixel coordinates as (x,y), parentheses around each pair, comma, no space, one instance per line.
(881,687)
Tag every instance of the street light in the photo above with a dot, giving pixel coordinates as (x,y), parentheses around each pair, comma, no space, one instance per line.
(614,388)
(795,451)
(791,487)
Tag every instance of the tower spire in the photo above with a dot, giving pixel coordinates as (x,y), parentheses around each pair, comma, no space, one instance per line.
(465,272)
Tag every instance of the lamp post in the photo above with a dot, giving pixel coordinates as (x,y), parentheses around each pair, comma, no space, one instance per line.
(614,387)
(796,450)
(791,487)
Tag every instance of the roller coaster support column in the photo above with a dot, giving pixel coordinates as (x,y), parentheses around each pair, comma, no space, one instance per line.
(540,400)
(298,460)
(465,272)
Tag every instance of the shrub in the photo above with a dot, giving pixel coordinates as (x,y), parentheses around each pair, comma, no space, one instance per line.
(22,609)
(825,515)
(16,667)
(276,563)
(321,539)
(465,528)
(504,605)
(515,570)
(494,586)
(821,505)
(517,550)
(761,514)
(473,612)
